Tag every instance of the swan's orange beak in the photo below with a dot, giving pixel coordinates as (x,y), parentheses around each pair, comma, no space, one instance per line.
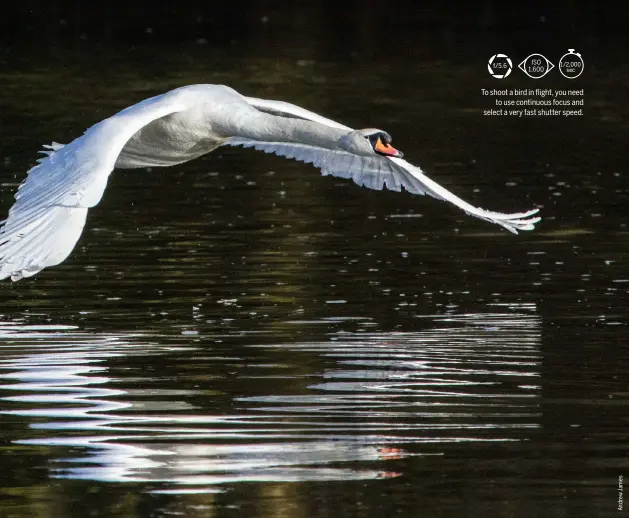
(386,149)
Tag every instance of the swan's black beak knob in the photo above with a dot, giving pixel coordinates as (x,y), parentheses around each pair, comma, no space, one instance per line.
(386,149)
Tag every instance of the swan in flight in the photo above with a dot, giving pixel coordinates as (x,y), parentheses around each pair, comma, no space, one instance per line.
(51,205)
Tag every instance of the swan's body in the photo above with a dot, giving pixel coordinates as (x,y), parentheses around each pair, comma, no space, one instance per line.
(51,205)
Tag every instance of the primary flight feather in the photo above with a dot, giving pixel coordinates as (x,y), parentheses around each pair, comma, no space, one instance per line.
(50,208)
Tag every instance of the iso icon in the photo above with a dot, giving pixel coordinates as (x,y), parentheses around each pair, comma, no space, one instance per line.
(571,64)
(536,66)
(499,66)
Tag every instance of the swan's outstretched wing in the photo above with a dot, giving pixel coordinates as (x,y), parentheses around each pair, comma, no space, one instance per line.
(373,172)
(512,222)
(51,205)
(376,172)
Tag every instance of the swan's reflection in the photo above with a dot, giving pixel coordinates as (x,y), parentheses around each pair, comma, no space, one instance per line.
(469,377)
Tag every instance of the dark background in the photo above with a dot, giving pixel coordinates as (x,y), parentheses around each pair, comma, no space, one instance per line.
(324,29)
(414,69)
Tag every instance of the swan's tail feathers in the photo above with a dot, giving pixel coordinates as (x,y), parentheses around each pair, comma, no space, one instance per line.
(40,238)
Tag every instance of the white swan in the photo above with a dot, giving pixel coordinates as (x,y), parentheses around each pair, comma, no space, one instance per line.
(51,205)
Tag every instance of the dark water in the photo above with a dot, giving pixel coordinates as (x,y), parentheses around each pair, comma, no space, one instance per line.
(239,336)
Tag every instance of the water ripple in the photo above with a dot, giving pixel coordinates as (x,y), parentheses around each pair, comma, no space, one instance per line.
(364,397)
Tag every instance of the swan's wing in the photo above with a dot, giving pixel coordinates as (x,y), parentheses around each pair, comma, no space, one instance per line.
(51,205)
(290,110)
(376,172)
(512,222)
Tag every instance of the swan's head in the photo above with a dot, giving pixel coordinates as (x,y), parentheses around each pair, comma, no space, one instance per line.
(369,141)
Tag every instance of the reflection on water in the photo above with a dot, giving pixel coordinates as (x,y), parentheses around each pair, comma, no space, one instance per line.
(281,326)
(369,397)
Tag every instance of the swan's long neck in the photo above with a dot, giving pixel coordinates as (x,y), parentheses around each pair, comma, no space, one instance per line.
(272,128)
(187,135)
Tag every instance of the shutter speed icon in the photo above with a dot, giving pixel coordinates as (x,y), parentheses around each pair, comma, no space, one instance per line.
(536,66)
(571,64)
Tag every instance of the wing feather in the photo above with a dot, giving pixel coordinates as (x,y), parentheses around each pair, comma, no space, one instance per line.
(377,172)
(374,172)
(51,205)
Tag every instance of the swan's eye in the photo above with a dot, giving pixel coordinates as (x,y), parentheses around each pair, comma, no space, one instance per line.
(381,144)
(384,137)
(373,138)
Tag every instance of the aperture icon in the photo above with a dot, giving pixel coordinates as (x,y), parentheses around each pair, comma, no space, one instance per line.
(500,66)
